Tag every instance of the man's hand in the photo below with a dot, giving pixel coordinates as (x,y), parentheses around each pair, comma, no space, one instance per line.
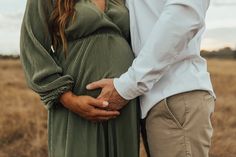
(109,93)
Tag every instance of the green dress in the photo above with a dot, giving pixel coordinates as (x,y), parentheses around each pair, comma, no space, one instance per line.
(98,48)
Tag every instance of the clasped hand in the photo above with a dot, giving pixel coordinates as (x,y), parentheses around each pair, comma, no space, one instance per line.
(109,94)
(106,106)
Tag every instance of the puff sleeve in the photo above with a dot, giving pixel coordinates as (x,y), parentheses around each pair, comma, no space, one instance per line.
(43,74)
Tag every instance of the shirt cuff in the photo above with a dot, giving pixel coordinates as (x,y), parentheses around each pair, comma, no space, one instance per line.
(126,87)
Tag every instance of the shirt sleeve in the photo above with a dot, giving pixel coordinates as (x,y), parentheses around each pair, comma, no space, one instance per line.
(127,3)
(178,23)
(43,74)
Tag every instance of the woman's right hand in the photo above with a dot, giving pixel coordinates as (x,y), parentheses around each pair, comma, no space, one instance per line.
(87,107)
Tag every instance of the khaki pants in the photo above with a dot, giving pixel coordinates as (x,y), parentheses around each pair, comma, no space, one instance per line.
(180,126)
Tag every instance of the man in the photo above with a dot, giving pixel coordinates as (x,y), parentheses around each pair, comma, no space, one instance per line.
(169,75)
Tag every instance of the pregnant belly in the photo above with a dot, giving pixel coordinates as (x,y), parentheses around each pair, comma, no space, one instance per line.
(100,56)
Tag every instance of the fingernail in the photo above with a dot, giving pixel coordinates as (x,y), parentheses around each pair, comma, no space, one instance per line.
(105,103)
(88,86)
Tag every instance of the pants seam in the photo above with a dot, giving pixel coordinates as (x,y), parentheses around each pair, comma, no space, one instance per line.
(186,138)
(187,145)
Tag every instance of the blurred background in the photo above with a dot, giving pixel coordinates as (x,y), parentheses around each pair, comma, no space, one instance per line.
(23,119)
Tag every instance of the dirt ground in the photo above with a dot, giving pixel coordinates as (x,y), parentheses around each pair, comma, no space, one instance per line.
(23,119)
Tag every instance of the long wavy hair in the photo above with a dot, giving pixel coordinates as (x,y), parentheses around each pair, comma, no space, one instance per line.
(63,11)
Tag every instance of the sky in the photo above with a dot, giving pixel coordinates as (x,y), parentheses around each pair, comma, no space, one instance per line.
(220,25)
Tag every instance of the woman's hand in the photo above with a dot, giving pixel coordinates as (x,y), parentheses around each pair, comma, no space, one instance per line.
(87,107)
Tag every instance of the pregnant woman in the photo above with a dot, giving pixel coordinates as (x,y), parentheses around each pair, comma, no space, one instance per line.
(65,45)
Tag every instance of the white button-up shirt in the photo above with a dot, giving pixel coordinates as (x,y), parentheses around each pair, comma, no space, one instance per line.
(166,37)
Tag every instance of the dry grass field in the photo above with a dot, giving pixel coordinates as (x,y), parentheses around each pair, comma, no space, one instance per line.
(23,119)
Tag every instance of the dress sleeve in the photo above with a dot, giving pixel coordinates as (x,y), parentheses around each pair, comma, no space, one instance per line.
(43,74)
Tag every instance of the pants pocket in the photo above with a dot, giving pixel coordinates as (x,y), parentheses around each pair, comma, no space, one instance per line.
(176,108)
